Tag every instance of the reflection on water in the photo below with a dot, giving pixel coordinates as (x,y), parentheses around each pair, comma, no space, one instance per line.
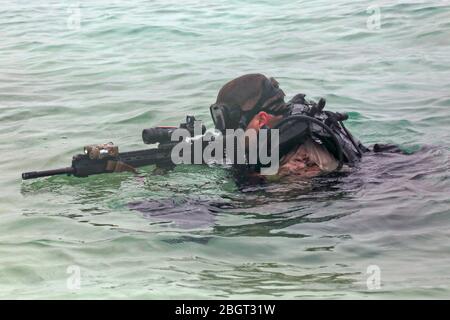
(183,212)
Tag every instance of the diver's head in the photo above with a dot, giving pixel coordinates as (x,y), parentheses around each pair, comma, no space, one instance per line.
(242,98)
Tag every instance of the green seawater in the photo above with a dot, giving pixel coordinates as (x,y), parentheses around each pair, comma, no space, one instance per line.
(74,73)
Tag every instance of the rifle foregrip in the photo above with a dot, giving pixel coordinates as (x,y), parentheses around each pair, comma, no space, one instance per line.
(46,173)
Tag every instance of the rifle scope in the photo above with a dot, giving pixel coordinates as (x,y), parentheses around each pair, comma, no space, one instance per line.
(157,134)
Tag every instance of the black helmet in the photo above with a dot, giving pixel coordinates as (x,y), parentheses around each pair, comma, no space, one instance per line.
(240,99)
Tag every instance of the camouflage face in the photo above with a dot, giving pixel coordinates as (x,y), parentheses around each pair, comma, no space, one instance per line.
(242,98)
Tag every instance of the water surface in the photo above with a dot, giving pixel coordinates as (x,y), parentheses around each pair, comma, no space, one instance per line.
(194,233)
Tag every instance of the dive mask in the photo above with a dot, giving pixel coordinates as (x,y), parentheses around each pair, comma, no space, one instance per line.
(224,116)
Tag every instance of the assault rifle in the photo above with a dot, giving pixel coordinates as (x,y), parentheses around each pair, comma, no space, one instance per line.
(106,158)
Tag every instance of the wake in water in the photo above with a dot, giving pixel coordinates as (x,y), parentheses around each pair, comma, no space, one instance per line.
(379,176)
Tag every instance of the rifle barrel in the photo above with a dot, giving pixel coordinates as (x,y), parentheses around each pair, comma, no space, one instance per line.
(46,173)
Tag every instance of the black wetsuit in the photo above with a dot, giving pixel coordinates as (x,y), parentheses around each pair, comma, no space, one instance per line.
(352,148)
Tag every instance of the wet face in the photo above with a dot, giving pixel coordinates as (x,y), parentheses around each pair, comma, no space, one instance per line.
(306,160)
(263,119)
(258,121)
